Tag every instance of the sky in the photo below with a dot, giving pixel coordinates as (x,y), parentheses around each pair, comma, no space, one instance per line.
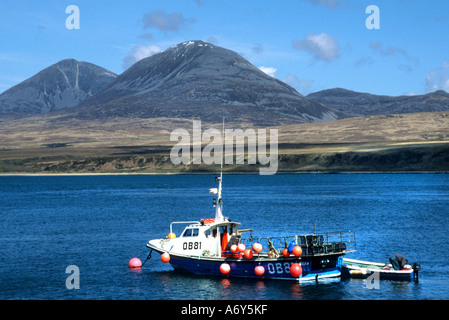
(381,47)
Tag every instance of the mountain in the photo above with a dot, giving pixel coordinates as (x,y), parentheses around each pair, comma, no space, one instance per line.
(62,85)
(356,104)
(195,79)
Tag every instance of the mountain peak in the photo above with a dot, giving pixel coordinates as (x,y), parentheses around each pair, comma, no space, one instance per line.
(440,93)
(196,79)
(68,61)
(193,43)
(191,59)
(61,85)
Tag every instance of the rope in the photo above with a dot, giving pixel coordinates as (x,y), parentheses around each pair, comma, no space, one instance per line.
(149,257)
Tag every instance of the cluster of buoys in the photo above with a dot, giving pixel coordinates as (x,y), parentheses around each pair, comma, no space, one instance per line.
(295,269)
(135,263)
(292,249)
(225,268)
(237,248)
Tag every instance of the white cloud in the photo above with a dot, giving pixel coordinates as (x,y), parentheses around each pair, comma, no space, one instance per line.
(140,52)
(438,79)
(323,46)
(269,70)
(165,21)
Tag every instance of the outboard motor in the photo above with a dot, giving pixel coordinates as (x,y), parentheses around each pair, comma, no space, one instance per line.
(416,268)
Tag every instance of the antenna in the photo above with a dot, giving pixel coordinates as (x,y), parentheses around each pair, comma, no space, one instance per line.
(222,148)
(219,208)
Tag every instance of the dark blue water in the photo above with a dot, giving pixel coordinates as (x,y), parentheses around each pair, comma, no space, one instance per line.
(98,223)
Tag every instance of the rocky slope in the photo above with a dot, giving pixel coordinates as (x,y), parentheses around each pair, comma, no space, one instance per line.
(356,104)
(62,85)
(196,79)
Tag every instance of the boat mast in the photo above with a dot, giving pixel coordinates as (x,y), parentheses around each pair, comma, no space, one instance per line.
(219,207)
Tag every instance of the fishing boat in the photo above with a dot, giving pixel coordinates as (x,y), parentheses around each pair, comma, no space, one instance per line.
(352,268)
(218,247)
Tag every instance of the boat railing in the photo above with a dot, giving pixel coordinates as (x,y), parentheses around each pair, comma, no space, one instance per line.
(182,222)
(311,244)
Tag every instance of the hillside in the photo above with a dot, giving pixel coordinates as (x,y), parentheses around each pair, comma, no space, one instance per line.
(409,142)
(356,104)
(195,79)
(62,85)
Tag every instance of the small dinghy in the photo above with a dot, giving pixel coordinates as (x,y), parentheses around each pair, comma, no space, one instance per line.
(351,268)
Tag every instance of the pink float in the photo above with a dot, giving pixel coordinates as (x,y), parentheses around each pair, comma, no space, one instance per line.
(135,263)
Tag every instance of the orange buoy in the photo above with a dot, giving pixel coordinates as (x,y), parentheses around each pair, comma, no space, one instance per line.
(165,257)
(285,253)
(234,248)
(297,251)
(259,270)
(171,235)
(248,253)
(295,270)
(257,247)
(225,268)
(240,247)
(135,263)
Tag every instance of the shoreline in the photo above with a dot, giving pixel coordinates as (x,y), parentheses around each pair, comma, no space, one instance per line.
(208,173)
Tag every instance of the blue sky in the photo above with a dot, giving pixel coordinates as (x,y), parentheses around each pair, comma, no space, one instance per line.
(310,44)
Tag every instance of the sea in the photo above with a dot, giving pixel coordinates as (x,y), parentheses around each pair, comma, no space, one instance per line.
(70,237)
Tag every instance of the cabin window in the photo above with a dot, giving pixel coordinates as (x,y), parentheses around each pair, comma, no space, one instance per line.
(191,232)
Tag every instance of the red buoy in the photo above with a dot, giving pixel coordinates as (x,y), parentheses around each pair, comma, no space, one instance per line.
(285,253)
(165,257)
(241,247)
(135,263)
(295,270)
(259,270)
(248,253)
(234,248)
(297,251)
(257,247)
(225,268)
